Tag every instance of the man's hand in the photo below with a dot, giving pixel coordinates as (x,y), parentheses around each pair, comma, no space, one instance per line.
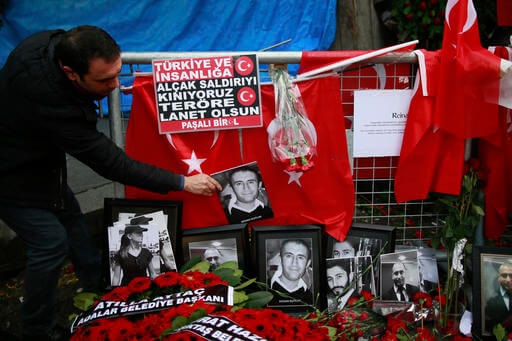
(202,184)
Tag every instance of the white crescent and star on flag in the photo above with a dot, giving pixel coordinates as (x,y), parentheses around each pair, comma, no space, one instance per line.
(471,14)
(194,164)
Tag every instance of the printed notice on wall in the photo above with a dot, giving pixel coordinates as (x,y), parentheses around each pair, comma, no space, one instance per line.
(379,121)
(196,94)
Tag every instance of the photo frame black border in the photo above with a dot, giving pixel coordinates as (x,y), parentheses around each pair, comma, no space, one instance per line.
(409,258)
(386,233)
(113,206)
(315,232)
(238,231)
(478,281)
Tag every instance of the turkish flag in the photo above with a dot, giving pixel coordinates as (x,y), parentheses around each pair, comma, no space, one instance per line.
(183,153)
(356,77)
(431,160)
(323,194)
(504,12)
(464,105)
(495,154)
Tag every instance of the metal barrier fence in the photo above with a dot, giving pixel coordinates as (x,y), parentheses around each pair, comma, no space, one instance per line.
(373,177)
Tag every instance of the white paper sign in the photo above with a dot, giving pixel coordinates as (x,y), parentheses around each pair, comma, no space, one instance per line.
(379,121)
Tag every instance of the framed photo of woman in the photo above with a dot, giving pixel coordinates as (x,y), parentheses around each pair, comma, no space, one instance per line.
(140,238)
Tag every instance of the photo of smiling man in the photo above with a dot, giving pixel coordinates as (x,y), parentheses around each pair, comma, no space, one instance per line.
(293,274)
(243,195)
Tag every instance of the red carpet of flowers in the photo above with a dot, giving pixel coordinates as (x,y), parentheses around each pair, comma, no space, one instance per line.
(356,320)
(161,325)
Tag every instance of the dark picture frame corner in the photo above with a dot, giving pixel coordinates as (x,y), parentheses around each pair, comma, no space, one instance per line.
(164,216)
(267,242)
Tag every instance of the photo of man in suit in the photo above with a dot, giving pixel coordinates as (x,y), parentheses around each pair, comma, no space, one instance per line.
(400,291)
(498,308)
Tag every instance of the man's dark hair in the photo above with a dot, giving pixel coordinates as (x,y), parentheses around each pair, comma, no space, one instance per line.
(296,241)
(243,169)
(342,263)
(81,44)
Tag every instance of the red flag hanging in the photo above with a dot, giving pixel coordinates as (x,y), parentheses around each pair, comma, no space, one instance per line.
(323,195)
(504,12)
(184,153)
(495,155)
(466,70)
(431,160)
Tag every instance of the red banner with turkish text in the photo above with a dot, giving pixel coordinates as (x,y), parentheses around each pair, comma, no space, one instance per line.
(212,93)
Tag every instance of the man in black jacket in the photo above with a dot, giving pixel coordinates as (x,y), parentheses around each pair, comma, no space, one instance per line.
(498,309)
(400,291)
(48,88)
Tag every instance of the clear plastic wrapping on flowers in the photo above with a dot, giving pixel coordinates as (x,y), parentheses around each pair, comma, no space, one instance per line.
(408,311)
(291,135)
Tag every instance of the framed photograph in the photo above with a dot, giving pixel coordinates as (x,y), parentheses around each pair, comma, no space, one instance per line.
(399,276)
(243,196)
(492,283)
(140,239)
(364,240)
(347,277)
(218,244)
(289,259)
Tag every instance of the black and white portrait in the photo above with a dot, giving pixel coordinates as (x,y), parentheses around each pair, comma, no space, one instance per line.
(341,284)
(133,252)
(366,250)
(400,276)
(215,251)
(496,292)
(243,196)
(289,271)
(428,272)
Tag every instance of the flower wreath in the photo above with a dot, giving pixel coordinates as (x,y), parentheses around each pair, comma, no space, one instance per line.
(171,323)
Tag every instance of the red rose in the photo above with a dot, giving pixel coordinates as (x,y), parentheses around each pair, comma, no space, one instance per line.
(395,324)
(117,294)
(441,298)
(167,279)
(423,5)
(423,299)
(424,334)
(367,295)
(140,284)
(351,301)
(389,336)
(474,164)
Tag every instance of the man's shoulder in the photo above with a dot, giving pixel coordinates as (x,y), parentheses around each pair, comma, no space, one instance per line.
(389,293)
(412,288)
(494,299)
(31,69)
